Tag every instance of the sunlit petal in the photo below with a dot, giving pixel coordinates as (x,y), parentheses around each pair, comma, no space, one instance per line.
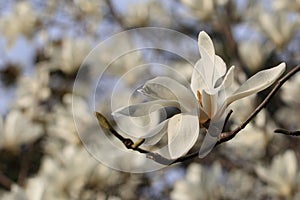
(257,83)
(155,135)
(198,81)
(169,89)
(143,109)
(211,138)
(219,68)
(183,130)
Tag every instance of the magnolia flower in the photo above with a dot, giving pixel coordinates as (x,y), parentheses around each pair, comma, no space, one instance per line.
(281,176)
(18,129)
(204,102)
(275,26)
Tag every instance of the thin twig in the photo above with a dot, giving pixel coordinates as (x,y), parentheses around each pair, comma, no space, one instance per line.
(279,83)
(287,132)
(227,119)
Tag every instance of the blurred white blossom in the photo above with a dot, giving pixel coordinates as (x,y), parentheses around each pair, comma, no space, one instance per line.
(212,182)
(68,54)
(288,5)
(290,91)
(61,122)
(254,54)
(32,90)
(17,129)
(204,9)
(147,13)
(22,21)
(199,183)
(279,27)
(281,175)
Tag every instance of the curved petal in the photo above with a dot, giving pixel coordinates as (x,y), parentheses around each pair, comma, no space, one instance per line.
(183,131)
(204,42)
(153,136)
(206,65)
(219,68)
(169,89)
(207,145)
(143,109)
(137,120)
(210,103)
(257,83)
(225,89)
(228,79)
(211,138)
(197,80)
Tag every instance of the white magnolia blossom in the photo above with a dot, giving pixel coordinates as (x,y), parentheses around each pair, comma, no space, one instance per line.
(275,26)
(288,5)
(32,90)
(69,55)
(204,9)
(61,123)
(214,182)
(206,101)
(17,129)
(290,91)
(281,176)
(22,21)
(199,183)
(259,53)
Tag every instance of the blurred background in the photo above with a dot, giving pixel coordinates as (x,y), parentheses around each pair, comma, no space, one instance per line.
(42,46)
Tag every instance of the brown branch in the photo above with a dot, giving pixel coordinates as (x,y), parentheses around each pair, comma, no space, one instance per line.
(287,132)
(224,137)
(5,181)
(25,165)
(129,144)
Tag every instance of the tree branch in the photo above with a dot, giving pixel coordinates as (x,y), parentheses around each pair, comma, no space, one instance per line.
(287,132)
(226,137)
(5,181)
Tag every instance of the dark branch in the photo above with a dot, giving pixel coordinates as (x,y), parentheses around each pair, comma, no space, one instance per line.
(279,83)
(287,132)
(5,181)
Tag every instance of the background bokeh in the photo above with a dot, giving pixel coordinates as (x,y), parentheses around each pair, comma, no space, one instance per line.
(44,43)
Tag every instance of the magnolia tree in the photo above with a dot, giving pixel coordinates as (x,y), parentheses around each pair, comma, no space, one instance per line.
(149,100)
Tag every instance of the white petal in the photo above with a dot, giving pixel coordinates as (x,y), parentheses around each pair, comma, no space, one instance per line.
(183,131)
(219,68)
(210,103)
(257,83)
(228,79)
(156,134)
(198,80)
(169,89)
(204,42)
(207,145)
(211,138)
(143,109)
(205,66)
(138,120)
